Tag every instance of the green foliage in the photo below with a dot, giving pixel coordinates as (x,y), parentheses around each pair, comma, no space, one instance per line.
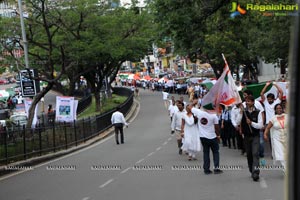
(203,29)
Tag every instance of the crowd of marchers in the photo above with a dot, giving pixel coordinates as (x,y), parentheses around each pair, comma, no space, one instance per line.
(246,126)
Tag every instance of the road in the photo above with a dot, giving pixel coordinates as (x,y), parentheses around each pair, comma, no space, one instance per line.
(146,167)
(50,98)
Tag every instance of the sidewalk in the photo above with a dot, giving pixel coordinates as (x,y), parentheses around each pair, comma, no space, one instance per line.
(37,160)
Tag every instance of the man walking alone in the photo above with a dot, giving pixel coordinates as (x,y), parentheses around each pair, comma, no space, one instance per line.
(118,121)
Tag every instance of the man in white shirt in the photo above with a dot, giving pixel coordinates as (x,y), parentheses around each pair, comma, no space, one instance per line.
(176,124)
(208,124)
(118,121)
(20,99)
(172,109)
(197,89)
(236,118)
(184,102)
(165,99)
(270,101)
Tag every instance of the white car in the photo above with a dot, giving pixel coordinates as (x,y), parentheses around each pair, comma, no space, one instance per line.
(3,123)
(19,119)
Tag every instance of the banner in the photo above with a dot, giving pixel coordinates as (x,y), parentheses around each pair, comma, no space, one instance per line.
(28,103)
(66,109)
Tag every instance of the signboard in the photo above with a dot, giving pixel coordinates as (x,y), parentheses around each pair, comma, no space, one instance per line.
(29,87)
(66,109)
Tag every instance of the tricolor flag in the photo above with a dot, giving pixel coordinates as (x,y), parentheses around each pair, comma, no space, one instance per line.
(257,88)
(223,92)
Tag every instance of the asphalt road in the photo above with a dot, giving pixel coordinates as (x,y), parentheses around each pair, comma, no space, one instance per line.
(146,167)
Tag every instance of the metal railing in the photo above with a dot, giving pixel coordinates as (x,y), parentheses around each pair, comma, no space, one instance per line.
(23,143)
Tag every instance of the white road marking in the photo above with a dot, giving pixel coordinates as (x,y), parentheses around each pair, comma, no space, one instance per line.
(140,161)
(150,154)
(125,170)
(68,155)
(86,198)
(157,149)
(106,183)
(165,143)
(263,183)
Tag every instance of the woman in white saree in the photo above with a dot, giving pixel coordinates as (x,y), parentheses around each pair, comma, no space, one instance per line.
(278,130)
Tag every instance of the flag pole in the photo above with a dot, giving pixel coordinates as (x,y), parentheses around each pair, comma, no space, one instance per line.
(226,64)
(247,123)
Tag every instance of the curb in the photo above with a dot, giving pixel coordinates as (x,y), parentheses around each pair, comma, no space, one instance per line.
(131,115)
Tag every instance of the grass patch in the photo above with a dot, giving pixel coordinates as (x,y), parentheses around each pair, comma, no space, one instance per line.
(108,104)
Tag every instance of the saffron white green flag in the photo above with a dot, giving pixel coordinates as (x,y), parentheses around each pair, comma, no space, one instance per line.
(223,92)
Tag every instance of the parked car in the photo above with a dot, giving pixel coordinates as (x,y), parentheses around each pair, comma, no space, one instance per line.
(18,120)
(3,81)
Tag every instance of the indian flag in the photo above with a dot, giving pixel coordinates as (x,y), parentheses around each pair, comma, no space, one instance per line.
(257,88)
(223,92)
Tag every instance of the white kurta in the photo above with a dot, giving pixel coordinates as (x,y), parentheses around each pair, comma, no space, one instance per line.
(279,136)
(191,136)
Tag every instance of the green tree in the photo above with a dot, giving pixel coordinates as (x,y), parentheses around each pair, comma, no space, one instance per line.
(102,40)
(204,30)
(80,37)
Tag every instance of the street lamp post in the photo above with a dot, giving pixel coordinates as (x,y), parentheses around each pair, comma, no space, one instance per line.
(148,65)
(23,34)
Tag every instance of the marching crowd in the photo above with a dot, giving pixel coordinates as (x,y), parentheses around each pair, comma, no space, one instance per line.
(243,126)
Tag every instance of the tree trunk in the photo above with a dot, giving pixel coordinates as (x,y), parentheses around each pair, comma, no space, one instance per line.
(283,65)
(71,89)
(35,101)
(109,94)
(97,100)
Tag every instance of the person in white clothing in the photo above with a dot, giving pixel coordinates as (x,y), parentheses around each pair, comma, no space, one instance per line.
(118,121)
(172,109)
(176,124)
(20,99)
(171,100)
(269,101)
(208,125)
(278,127)
(236,118)
(165,99)
(189,130)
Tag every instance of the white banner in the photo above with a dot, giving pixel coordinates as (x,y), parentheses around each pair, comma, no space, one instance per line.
(28,103)
(65,109)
